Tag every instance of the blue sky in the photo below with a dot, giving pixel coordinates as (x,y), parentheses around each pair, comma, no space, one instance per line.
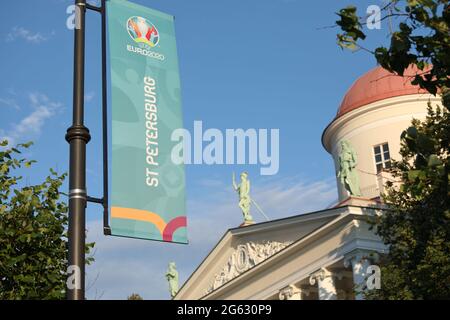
(243,64)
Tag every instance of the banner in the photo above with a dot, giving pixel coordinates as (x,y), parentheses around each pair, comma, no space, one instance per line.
(147,188)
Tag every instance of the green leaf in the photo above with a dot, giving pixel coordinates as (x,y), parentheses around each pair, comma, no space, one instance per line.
(411,133)
(413,174)
(433,161)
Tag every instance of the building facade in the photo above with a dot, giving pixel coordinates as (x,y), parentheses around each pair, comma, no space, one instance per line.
(329,254)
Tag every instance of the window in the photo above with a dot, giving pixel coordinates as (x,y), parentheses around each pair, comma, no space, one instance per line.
(382,157)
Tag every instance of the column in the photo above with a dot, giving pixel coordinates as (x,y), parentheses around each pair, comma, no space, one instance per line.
(359,260)
(325,284)
(290,292)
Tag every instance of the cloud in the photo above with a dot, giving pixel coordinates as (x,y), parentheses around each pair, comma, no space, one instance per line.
(292,196)
(9,103)
(27,35)
(125,266)
(213,183)
(88,97)
(94,2)
(31,125)
(10,100)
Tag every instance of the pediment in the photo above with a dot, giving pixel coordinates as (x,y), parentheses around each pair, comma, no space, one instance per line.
(243,258)
(241,249)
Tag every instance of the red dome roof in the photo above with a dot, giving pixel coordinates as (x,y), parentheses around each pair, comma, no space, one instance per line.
(378,84)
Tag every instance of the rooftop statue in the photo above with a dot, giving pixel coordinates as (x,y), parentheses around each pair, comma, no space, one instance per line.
(172,278)
(243,190)
(347,169)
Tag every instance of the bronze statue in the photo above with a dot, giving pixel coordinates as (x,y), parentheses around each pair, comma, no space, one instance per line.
(243,190)
(347,169)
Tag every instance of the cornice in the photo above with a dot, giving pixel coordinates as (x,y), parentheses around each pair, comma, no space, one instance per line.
(389,102)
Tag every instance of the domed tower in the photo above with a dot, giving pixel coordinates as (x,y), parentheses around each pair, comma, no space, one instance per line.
(365,134)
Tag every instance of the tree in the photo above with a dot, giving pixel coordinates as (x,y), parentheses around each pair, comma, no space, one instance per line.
(135,296)
(417,228)
(422,39)
(417,225)
(33,226)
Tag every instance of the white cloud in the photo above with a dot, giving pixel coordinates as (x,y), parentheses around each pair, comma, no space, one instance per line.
(89,96)
(125,266)
(213,183)
(27,35)
(12,103)
(31,125)
(94,2)
(292,196)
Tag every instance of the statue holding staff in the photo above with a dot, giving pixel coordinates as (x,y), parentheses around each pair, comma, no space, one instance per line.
(243,190)
(172,278)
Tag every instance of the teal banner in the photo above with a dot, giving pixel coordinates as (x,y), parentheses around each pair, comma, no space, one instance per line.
(147,188)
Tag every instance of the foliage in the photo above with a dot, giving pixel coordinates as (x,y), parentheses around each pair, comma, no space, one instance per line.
(417,228)
(422,38)
(135,296)
(33,238)
(417,225)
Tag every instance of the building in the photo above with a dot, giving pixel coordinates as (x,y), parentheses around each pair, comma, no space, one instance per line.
(330,253)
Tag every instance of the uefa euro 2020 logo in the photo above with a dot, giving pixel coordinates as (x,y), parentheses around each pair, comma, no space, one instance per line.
(143,31)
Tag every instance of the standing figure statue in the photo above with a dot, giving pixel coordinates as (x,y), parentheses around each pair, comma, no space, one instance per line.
(347,169)
(172,277)
(243,190)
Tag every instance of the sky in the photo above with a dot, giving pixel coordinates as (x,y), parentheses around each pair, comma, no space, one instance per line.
(271,64)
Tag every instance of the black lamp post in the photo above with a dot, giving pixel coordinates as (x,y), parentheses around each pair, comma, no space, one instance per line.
(78,136)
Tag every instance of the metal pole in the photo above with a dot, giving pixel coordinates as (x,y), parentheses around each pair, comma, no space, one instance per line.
(260,210)
(78,136)
(106,228)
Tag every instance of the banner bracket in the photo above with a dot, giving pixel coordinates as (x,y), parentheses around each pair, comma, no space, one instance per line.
(106,227)
(103,201)
(94,8)
(94,200)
